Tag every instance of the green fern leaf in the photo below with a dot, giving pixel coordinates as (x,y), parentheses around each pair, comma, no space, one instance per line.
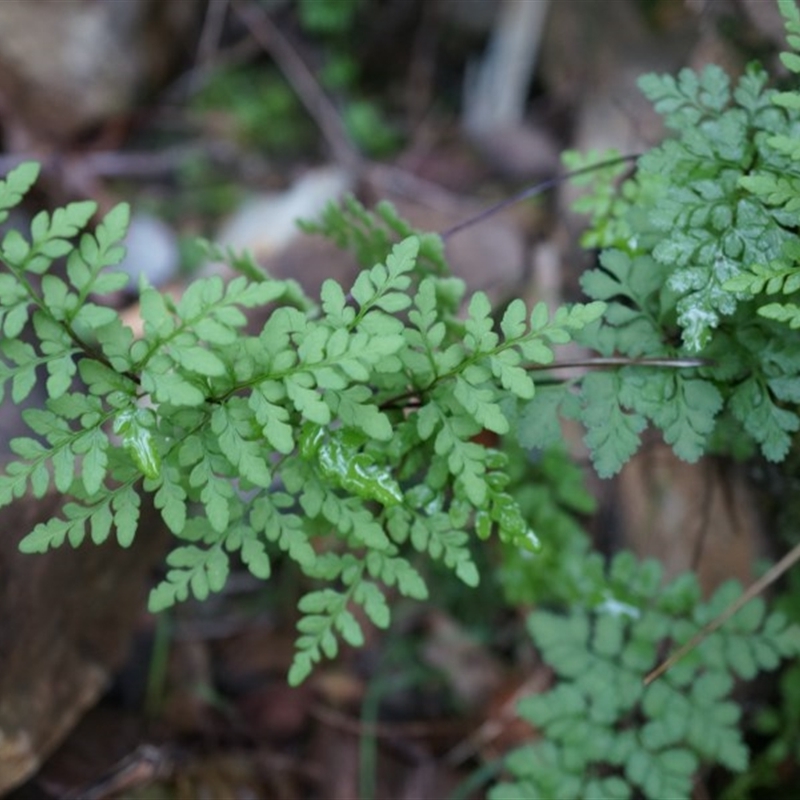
(16,185)
(612,432)
(193,570)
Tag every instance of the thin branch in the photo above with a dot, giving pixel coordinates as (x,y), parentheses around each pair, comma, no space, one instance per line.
(142,767)
(622,361)
(390,179)
(609,362)
(302,80)
(111,163)
(755,589)
(142,164)
(533,191)
(197,77)
(211,32)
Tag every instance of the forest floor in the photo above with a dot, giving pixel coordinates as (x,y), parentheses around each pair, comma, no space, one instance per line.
(227,149)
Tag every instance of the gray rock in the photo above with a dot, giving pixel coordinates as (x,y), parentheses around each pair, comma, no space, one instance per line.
(67,65)
(151,250)
(67,617)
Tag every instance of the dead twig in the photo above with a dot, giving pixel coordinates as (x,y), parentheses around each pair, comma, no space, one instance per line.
(411,398)
(212,31)
(302,80)
(755,589)
(142,767)
(494,727)
(533,191)
(622,361)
